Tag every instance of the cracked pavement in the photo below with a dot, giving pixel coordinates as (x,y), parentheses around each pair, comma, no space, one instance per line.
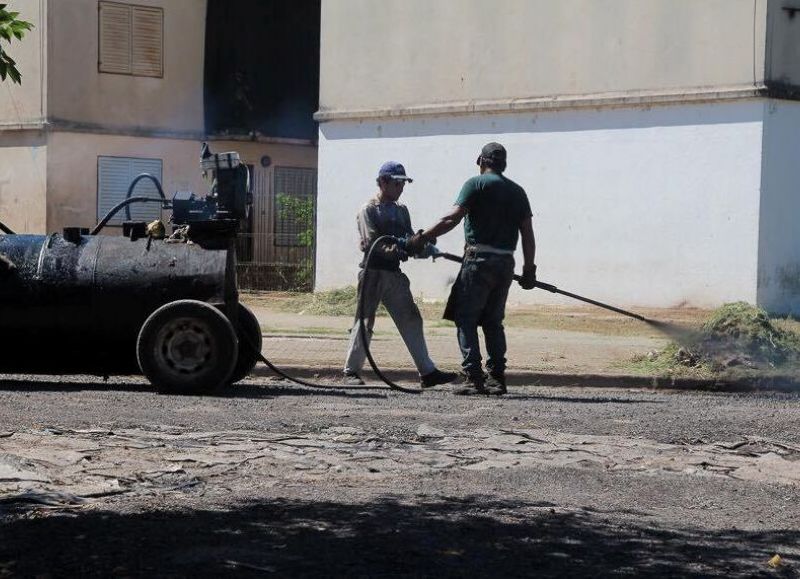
(272,478)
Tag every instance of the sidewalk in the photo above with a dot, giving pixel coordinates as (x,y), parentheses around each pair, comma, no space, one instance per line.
(322,341)
(546,346)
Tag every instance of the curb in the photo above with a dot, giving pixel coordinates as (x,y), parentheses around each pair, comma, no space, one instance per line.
(523,378)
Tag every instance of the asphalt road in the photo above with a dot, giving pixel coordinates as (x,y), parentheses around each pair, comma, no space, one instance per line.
(111,479)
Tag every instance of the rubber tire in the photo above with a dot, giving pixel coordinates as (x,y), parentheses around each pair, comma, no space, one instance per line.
(248,331)
(209,324)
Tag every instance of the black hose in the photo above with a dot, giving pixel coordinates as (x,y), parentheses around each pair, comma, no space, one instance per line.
(363,327)
(286,376)
(5,229)
(132,186)
(365,344)
(283,374)
(121,205)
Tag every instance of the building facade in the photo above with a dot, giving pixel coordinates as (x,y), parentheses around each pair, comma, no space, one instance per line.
(113,89)
(656,140)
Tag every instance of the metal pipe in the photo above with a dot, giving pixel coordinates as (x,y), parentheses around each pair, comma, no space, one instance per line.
(121,205)
(553,289)
(5,229)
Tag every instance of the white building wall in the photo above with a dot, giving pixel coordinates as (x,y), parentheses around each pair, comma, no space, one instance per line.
(81,96)
(72,171)
(650,207)
(23,180)
(779,240)
(390,54)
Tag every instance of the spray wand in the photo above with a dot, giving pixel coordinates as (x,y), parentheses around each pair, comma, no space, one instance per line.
(435,253)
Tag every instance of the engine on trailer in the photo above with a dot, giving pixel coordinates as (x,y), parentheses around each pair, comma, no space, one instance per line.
(229,200)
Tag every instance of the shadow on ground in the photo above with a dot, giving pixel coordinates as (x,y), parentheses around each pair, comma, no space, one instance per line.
(476,537)
(239,390)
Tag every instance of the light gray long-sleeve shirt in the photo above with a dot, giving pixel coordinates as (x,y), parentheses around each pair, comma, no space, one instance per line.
(378,218)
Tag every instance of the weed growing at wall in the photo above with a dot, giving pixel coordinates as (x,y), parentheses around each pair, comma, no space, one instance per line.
(737,340)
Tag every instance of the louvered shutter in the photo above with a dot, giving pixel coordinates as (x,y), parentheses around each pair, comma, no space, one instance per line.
(114,176)
(148,38)
(115,38)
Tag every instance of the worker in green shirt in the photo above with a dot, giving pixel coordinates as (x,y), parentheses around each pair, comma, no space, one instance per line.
(496,213)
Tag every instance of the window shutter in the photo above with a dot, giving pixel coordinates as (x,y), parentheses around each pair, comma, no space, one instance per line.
(148,38)
(115,38)
(115,175)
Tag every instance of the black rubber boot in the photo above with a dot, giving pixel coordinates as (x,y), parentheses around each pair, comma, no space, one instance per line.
(437,377)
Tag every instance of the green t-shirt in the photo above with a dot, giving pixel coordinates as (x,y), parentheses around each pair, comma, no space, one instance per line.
(495,208)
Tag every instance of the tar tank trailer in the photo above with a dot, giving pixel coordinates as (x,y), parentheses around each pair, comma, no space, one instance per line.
(165,306)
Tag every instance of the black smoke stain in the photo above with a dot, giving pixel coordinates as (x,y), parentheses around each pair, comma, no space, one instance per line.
(262,68)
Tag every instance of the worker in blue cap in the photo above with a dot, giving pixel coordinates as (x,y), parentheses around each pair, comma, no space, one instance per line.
(386,284)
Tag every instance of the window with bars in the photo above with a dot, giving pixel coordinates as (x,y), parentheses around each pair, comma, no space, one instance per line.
(114,176)
(295,206)
(131,39)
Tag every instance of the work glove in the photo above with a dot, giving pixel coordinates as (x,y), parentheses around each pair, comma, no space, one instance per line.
(528,279)
(156,229)
(415,245)
(427,251)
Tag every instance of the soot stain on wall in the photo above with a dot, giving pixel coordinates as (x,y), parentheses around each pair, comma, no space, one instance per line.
(789,278)
(262,68)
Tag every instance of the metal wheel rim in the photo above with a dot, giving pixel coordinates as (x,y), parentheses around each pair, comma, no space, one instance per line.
(185,346)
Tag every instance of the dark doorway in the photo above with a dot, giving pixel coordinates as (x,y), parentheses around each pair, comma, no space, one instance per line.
(262,68)
(262,81)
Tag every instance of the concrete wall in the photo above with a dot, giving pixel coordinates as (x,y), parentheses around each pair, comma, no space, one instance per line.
(651,207)
(23,180)
(783,50)
(81,95)
(72,171)
(779,234)
(25,104)
(72,168)
(281,155)
(397,53)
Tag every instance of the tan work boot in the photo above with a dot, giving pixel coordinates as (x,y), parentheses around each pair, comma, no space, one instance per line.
(473,385)
(496,384)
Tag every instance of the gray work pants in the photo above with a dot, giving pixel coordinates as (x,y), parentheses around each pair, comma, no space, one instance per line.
(391,288)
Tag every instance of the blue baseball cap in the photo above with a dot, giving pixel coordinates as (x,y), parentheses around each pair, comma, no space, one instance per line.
(394,170)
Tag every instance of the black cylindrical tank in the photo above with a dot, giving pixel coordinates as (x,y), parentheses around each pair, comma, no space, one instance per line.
(77,307)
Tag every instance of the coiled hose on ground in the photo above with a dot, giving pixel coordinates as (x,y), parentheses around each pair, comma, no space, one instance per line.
(364,341)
